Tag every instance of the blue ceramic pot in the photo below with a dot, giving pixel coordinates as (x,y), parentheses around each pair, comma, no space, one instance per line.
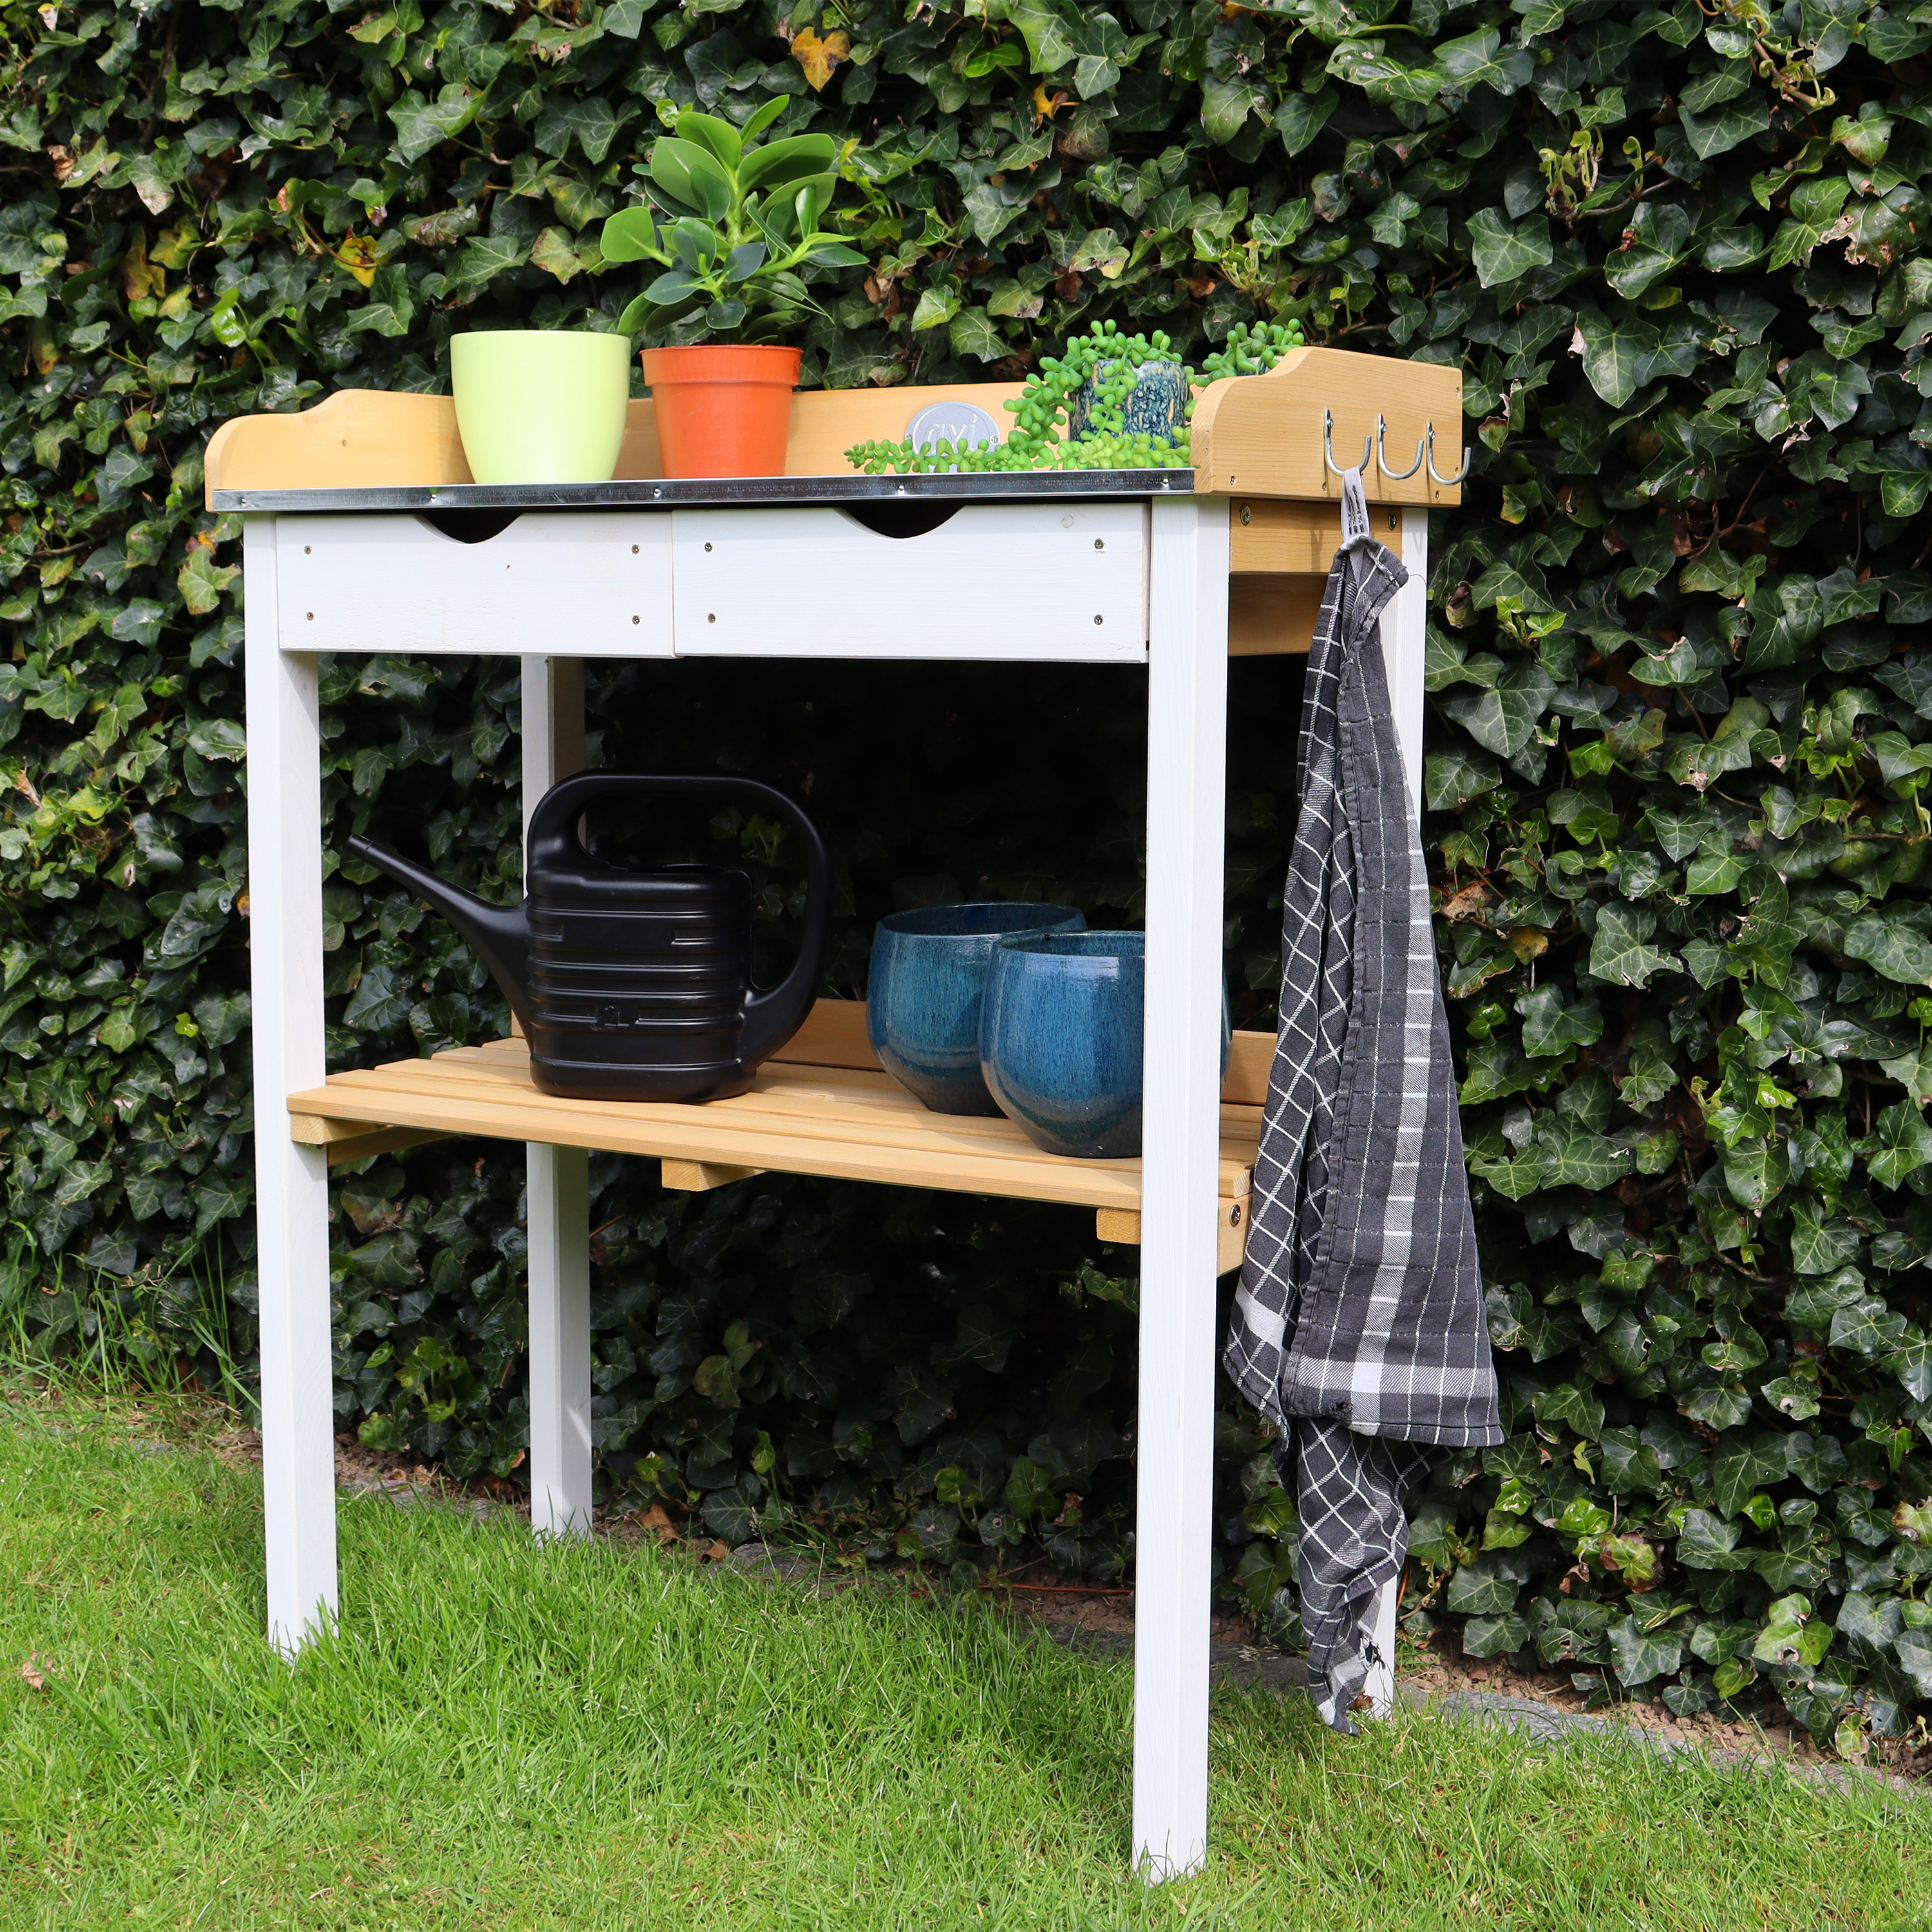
(1060,1039)
(1156,406)
(922,997)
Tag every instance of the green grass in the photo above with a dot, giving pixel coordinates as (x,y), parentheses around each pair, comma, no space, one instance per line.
(505,1737)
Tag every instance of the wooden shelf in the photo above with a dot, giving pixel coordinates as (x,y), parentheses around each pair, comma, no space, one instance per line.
(826,1108)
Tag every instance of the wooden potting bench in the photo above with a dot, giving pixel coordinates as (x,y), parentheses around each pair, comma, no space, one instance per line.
(350,545)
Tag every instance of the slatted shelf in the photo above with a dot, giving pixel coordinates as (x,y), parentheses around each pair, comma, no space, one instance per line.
(825,1108)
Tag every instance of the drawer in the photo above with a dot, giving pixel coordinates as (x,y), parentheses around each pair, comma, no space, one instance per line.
(567,583)
(998,582)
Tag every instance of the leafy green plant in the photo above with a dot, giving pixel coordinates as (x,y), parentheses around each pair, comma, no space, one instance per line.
(1092,383)
(732,221)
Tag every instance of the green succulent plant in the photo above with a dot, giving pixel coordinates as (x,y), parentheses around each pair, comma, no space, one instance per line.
(731,221)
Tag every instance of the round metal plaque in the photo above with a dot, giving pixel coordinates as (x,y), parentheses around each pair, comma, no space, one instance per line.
(955,423)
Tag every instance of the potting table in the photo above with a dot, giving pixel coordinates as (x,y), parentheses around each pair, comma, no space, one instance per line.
(356,539)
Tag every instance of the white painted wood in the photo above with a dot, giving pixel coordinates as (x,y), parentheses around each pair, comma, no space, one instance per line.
(557,1201)
(995,583)
(1378,1686)
(1187,687)
(598,580)
(291,1181)
(1405,629)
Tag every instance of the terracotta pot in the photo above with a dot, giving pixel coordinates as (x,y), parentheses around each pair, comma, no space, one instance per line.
(722,411)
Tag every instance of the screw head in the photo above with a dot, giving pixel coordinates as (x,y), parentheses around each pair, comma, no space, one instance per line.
(1099,543)
(711,617)
(1247,515)
(1099,619)
(637,620)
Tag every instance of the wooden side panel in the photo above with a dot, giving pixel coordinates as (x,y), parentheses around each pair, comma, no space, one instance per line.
(1273,617)
(826,423)
(356,438)
(1262,435)
(372,438)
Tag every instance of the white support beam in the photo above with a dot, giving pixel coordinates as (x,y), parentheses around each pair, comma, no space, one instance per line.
(1406,640)
(558,1187)
(291,1180)
(1187,699)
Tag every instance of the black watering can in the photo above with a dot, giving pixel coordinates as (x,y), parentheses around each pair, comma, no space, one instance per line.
(635,986)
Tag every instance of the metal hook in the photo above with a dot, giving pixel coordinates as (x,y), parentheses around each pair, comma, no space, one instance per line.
(1448,482)
(1328,445)
(1381,459)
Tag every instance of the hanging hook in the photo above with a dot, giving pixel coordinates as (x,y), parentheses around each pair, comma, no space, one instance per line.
(1381,458)
(1328,445)
(1447,482)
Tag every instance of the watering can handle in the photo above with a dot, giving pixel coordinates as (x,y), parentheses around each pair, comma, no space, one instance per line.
(773,1016)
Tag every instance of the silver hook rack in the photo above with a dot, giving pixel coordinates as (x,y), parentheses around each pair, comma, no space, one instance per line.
(1428,443)
(1381,458)
(1328,445)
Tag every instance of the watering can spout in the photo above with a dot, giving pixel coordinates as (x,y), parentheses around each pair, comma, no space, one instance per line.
(500,935)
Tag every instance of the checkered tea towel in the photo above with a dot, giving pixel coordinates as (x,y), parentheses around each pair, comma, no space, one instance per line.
(1360,1314)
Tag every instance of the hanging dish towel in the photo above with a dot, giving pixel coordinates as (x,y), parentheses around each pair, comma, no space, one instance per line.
(1359,1327)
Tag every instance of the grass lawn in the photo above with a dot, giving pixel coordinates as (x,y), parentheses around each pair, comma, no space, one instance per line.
(505,1737)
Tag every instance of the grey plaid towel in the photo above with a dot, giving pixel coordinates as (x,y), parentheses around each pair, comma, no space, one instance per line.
(1360,1315)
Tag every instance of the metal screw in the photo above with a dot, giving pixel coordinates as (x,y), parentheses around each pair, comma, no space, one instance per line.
(707,546)
(1234,1218)
(1394,519)
(711,618)
(311,618)
(1099,543)
(1247,515)
(637,620)
(1099,620)
(634,550)
(308,550)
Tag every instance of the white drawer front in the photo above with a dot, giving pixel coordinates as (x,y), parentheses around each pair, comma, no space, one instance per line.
(996,582)
(567,583)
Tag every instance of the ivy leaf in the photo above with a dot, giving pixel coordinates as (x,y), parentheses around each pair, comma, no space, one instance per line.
(201,580)
(1301,117)
(1480,60)
(1618,952)
(1725,127)
(1550,1027)
(1503,253)
(1503,717)
(1638,1656)
(1899,1147)
(1450,779)
(1889,946)
(1654,244)
(586,120)
(937,304)
(1706,1542)
(421,125)
(1814,206)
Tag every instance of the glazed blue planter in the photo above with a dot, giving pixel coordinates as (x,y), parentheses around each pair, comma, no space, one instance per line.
(1156,406)
(1060,1039)
(922,997)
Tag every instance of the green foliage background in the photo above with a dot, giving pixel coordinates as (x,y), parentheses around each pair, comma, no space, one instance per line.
(1681,720)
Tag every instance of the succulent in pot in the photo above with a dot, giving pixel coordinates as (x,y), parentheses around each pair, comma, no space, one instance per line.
(730,223)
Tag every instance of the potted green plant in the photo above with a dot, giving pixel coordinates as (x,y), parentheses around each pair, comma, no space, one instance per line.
(731,222)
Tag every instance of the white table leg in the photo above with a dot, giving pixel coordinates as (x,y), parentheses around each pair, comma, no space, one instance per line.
(291,1181)
(1187,695)
(1378,1686)
(558,1191)
(1406,639)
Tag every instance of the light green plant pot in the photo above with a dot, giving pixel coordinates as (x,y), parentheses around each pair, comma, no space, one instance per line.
(540,405)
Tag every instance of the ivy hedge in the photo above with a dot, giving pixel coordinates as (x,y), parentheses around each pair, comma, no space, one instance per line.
(1681,725)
